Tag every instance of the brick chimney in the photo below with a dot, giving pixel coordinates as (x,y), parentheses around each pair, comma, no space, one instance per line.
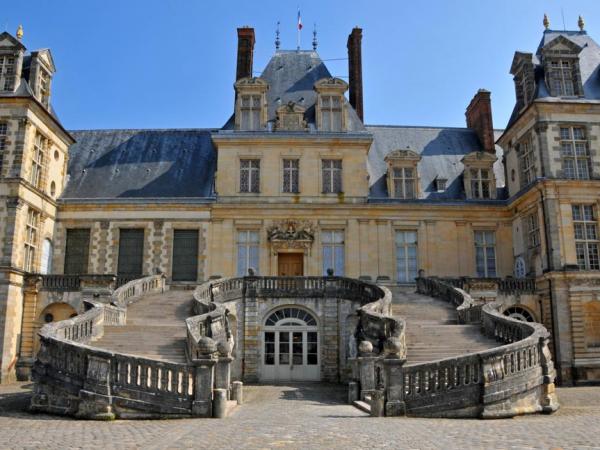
(355,71)
(245,52)
(479,119)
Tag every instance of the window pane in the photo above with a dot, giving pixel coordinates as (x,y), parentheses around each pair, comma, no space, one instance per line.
(339,260)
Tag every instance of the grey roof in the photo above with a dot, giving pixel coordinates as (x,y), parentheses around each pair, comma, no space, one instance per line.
(441,151)
(141,163)
(291,76)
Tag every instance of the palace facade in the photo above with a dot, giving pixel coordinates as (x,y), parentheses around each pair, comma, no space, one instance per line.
(296,184)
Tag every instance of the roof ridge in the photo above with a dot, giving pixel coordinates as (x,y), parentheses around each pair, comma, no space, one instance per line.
(143,129)
(432,127)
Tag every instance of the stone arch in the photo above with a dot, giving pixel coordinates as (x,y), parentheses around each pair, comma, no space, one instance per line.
(280,311)
(55,312)
(520,312)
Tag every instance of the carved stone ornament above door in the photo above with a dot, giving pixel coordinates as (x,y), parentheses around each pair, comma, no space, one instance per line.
(290,235)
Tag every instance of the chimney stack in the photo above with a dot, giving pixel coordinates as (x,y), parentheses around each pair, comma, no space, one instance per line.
(355,71)
(245,52)
(479,119)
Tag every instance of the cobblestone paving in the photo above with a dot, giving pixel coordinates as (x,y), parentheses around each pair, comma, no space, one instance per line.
(304,416)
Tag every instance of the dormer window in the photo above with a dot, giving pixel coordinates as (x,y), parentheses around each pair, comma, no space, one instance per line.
(402,174)
(440,184)
(7,72)
(479,178)
(331,114)
(44,86)
(561,78)
(251,104)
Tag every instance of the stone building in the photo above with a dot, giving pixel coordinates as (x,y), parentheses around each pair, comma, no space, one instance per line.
(295,183)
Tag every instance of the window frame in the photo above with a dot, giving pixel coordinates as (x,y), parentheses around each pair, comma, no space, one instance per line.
(333,239)
(252,111)
(32,229)
(533,229)
(559,84)
(293,173)
(330,111)
(478,183)
(250,242)
(253,175)
(575,144)
(8,72)
(489,271)
(406,246)
(526,156)
(38,159)
(588,257)
(334,172)
(403,181)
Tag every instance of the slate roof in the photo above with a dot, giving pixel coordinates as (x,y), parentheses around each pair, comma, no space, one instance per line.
(291,76)
(441,151)
(141,164)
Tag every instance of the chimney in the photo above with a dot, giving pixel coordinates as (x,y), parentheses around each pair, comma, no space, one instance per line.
(355,70)
(245,52)
(479,119)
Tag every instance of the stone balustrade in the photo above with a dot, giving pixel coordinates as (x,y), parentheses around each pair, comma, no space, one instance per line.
(504,286)
(514,378)
(76,379)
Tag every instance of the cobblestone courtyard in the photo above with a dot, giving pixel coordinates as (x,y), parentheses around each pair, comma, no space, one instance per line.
(303,416)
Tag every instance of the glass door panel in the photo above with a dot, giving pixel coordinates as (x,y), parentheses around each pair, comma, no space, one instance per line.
(297,349)
(284,348)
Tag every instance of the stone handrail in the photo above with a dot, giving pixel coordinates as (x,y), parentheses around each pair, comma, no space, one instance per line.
(467,310)
(514,378)
(502,285)
(60,282)
(74,378)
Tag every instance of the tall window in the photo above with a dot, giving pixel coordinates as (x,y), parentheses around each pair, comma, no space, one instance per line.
(31,238)
(7,70)
(3,135)
(485,253)
(185,255)
(131,252)
(561,78)
(44,86)
(290,175)
(533,230)
(480,183)
(575,158)
(527,162)
(247,251)
(406,256)
(250,110)
(77,251)
(333,251)
(250,175)
(331,113)
(586,237)
(37,161)
(332,176)
(404,182)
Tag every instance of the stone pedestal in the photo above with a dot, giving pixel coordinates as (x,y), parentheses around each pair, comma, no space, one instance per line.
(394,404)
(97,287)
(95,400)
(203,387)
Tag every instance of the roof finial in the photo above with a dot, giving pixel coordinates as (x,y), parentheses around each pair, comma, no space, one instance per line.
(315,38)
(20,32)
(277,40)
(581,23)
(546,21)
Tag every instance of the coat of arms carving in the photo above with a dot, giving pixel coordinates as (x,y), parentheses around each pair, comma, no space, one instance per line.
(291,234)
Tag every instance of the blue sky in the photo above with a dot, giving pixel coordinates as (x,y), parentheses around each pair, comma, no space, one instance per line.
(171,63)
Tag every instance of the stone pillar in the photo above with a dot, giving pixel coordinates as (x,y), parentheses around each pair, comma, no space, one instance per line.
(222,373)
(366,373)
(220,403)
(95,397)
(237,392)
(97,288)
(394,379)
(203,387)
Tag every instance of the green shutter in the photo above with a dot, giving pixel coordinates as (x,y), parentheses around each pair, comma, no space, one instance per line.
(131,252)
(185,255)
(77,251)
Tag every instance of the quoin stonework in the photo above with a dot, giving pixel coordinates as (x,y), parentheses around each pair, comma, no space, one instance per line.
(287,244)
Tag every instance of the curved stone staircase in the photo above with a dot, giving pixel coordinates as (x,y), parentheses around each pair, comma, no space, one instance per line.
(155,328)
(432,329)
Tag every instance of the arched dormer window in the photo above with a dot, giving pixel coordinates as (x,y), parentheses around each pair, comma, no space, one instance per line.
(251,104)
(402,174)
(331,104)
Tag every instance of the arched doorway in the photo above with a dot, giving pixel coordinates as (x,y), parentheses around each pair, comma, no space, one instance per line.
(519,313)
(56,312)
(290,346)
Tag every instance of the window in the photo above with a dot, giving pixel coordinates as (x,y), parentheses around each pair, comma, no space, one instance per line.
(527,162)
(3,135)
(331,113)
(185,255)
(561,78)
(77,251)
(533,230)
(247,252)
(406,256)
(485,253)
(250,109)
(250,175)
(37,161)
(586,237)
(131,252)
(573,149)
(31,237)
(440,184)
(44,86)
(332,176)
(290,175)
(404,182)
(46,259)
(333,251)
(480,183)
(7,70)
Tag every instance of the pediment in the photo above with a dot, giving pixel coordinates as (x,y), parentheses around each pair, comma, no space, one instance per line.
(562,44)
(331,83)
(7,40)
(519,59)
(45,56)
(479,157)
(402,155)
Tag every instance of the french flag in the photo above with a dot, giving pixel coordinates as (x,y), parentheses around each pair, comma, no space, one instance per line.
(299,20)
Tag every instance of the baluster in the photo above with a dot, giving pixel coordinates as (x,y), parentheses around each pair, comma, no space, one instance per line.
(153,377)
(164,378)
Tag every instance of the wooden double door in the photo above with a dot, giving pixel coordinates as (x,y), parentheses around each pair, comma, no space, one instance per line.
(290,264)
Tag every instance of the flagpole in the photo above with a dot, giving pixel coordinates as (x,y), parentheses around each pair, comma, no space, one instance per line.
(299,27)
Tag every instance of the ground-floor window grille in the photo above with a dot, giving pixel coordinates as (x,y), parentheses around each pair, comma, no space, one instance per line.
(406,256)
(333,251)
